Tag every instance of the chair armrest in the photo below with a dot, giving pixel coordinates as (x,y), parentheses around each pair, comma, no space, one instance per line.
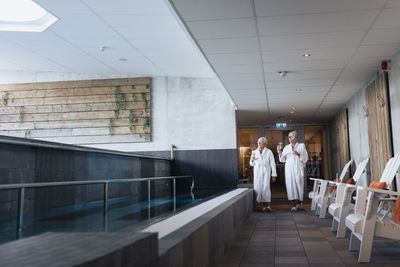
(388,199)
(384,192)
(352,186)
(316,179)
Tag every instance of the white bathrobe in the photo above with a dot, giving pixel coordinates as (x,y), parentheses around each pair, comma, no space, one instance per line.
(294,170)
(264,165)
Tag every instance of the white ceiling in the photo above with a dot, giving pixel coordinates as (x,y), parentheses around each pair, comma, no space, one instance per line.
(248,41)
(145,33)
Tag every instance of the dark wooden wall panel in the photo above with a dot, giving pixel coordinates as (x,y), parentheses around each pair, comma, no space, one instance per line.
(343,140)
(27,164)
(333,147)
(379,128)
(212,169)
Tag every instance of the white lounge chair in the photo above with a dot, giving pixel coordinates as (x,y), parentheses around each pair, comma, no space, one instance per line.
(370,219)
(342,206)
(322,197)
(317,185)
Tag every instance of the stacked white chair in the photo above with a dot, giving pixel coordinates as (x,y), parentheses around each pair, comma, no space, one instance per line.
(370,219)
(321,197)
(342,206)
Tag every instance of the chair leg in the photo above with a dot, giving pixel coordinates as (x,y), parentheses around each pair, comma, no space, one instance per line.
(369,228)
(341,230)
(313,204)
(317,210)
(324,207)
(354,243)
(366,247)
(344,211)
(334,226)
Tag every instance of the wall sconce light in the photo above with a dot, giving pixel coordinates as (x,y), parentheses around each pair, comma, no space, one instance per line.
(365,111)
(173,147)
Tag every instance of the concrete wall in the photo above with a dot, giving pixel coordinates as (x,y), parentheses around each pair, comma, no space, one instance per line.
(394,92)
(191,113)
(358,126)
(394,86)
(194,114)
(358,130)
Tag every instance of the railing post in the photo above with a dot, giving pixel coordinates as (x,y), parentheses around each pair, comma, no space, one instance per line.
(148,199)
(105,207)
(20,220)
(191,188)
(105,198)
(174,190)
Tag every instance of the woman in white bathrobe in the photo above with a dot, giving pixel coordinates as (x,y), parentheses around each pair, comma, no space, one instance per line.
(262,159)
(295,155)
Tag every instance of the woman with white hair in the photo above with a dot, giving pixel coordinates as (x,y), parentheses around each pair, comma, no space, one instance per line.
(295,155)
(262,159)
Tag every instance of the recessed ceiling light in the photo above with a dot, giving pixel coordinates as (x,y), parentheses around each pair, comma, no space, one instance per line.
(306,55)
(24,15)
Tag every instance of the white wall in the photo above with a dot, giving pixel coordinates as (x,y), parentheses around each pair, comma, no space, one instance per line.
(191,113)
(358,130)
(394,86)
(358,126)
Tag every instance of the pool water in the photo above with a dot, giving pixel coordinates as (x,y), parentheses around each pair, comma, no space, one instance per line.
(122,212)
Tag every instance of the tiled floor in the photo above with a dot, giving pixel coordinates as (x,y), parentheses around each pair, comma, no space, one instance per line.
(283,238)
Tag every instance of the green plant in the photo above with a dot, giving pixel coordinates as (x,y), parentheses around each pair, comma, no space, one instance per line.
(133,97)
(27,134)
(131,119)
(146,124)
(20,114)
(143,96)
(4,98)
(110,126)
(120,101)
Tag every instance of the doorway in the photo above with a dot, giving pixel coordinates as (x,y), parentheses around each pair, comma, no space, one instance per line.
(314,137)
(274,137)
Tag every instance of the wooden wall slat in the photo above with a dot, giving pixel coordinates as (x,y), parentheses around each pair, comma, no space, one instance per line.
(78,112)
(69,108)
(76,84)
(78,91)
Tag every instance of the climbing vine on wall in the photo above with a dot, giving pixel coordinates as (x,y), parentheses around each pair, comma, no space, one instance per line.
(121,101)
(4,98)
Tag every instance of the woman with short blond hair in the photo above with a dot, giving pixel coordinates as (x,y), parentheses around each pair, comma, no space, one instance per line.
(262,159)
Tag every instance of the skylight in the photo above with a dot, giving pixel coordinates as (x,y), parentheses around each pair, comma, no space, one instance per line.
(24,15)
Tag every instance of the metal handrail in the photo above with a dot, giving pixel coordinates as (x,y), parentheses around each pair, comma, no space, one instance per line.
(21,192)
(55,184)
